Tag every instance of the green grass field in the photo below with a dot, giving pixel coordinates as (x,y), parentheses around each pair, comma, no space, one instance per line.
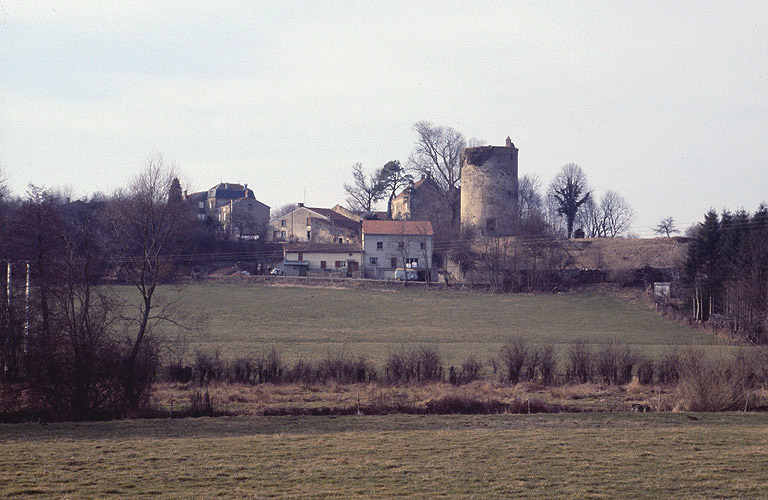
(598,455)
(243,318)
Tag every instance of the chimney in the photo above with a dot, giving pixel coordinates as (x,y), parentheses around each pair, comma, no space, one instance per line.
(509,143)
(300,204)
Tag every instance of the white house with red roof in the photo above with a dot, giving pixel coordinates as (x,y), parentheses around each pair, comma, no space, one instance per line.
(389,245)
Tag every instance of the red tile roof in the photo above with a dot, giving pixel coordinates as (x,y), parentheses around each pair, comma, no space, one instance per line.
(410,227)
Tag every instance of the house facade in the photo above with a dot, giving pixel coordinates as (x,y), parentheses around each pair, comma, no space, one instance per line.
(245,218)
(392,244)
(315,225)
(324,259)
(418,201)
(233,206)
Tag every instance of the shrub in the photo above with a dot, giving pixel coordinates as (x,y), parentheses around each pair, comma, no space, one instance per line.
(513,357)
(668,367)
(242,371)
(208,368)
(713,382)
(644,369)
(547,364)
(301,372)
(469,371)
(614,363)
(422,365)
(178,372)
(269,366)
(340,367)
(429,364)
(580,364)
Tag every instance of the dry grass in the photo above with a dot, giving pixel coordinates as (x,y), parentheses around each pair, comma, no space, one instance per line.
(597,455)
(618,253)
(484,396)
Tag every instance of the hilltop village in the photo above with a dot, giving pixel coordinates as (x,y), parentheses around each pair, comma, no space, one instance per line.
(465,232)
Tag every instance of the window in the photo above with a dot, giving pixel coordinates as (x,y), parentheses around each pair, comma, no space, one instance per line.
(322,264)
(409,262)
(379,245)
(490,225)
(282,234)
(341,263)
(309,221)
(423,245)
(250,205)
(201,204)
(309,235)
(373,261)
(301,256)
(341,240)
(400,245)
(282,223)
(393,262)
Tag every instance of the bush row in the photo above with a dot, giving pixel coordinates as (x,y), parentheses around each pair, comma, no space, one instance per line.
(613,363)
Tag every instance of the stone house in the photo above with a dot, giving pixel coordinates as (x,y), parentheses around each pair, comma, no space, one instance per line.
(244,218)
(316,225)
(419,201)
(392,244)
(212,204)
(324,259)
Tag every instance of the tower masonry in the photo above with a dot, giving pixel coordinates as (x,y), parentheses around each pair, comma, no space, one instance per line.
(489,189)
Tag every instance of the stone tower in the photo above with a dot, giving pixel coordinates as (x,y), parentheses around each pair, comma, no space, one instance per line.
(489,189)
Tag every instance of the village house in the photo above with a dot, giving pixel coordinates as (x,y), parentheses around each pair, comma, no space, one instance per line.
(234,206)
(418,201)
(316,225)
(322,259)
(244,218)
(391,244)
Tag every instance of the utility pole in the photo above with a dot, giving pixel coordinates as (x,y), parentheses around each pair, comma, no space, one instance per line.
(26,313)
(8,284)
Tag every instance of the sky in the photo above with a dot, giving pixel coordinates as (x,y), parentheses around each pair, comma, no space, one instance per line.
(664,102)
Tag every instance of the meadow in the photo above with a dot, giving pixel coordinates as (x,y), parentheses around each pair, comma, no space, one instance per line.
(242,318)
(590,455)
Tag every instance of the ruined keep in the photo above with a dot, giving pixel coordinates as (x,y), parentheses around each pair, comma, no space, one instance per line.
(489,189)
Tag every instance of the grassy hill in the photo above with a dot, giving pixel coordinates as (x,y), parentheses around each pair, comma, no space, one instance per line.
(242,318)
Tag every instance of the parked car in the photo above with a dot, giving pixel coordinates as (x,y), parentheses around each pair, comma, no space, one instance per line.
(276,272)
(401,274)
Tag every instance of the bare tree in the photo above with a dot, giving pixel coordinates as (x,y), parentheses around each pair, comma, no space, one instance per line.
(146,229)
(3,184)
(590,219)
(667,227)
(364,191)
(282,210)
(437,153)
(616,213)
(530,201)
(570,191)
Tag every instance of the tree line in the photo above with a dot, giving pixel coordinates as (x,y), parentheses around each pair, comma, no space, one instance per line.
(71,348)
(726,272)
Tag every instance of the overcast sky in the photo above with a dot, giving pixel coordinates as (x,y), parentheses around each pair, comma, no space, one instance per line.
(664,102)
